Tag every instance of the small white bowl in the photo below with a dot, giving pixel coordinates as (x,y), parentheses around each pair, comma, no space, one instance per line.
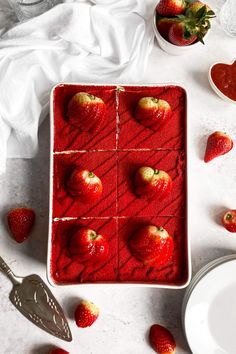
(172,48)
(215,88)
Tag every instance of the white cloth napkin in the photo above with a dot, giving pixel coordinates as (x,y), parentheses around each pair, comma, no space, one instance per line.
(84,41)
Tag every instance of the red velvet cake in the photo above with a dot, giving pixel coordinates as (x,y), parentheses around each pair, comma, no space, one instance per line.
(172,161)
(170,137)
(131,269)
(114,154)
(103,164)
(66,136)
(65,269)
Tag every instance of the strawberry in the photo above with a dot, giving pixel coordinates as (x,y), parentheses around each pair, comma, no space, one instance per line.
(20,222)
(195,6)
(152,245)
(218,143)
(161,340)
(229,220)
(88,246)
(152,183)
(86,112)
(86,314)
(84,185)
(58,351)
(181,35)
(192,26)
(163,25)
(170,7)
(152,112)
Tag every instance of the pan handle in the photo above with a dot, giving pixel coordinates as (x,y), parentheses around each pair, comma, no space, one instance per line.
(6,269)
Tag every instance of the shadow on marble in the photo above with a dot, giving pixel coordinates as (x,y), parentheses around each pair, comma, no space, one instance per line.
(42,349)
(38,196)
(216,212)
(69,304)
(167,313)
(201,78)
(201,145)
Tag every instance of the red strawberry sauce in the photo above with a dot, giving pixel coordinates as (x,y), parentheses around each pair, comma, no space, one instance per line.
(114,154)
(224,77)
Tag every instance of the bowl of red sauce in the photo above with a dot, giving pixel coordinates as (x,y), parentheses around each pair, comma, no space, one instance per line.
(222,77)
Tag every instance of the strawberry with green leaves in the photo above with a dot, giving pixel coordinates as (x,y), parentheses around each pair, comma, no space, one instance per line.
(191,27)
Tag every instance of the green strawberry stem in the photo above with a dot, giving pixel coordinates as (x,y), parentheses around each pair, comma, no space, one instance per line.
(156,172)
(196,23)
(229,217)
(93,235)
(91,174)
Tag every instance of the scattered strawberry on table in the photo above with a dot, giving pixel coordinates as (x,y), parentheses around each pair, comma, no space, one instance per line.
(86,314)
(21,222)
(152,245)
(151,183)
(218,143)
(84,184)
(88,246)
(58,351)
(152,112)
(182,22)
(229,220)
(161,340)
(86,112)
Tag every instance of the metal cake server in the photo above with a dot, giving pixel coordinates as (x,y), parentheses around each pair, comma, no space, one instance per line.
(31,296)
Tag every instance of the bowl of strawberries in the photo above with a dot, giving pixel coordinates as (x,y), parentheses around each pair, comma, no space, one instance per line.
(181,25)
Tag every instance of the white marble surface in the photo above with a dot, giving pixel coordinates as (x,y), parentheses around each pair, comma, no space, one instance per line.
(127,313)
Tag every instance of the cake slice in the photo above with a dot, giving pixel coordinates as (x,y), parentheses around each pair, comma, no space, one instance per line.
(134,135)
(103,165)
(66,269)
(66,136)
(132,270)
(170,161)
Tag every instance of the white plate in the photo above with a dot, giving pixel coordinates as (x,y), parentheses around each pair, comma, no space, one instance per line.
(210,314)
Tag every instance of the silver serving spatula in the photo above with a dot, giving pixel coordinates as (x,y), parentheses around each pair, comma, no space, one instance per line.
(31,296)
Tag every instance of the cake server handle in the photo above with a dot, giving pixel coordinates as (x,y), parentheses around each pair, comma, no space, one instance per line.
(7,270)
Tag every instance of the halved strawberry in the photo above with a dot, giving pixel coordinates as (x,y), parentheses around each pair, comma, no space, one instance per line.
(161,340)
(229,220)
(152,112)
(86,111)
(218,144)
(86,314)
(84,184)
(21,222)
(88,246)
(152,245)
(170,7)
(151,183)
